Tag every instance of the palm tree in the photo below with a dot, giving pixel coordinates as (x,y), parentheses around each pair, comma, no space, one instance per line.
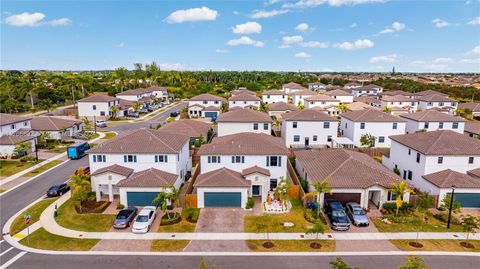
(321,187)
(81,187)
(136,106)
(87,124)
(277,123)
(22,149)
(114,110)
(387,109)
(342,107)
(398,190)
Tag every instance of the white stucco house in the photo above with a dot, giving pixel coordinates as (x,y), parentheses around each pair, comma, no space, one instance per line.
(354,124)
(274,96)
(205,105)
(278,108)
(292,87)
(235,167)
(243,120)
(431,120)
(436,101)
(474,107)
(97,105)
(321,101)
(370,89)
(401,101)
(308,128)
(352,85)
(133,95)
(158,92)
(341,95)
(56,128)
(298,97)
(244,100)
(12,132)
(317,87)
(138,164)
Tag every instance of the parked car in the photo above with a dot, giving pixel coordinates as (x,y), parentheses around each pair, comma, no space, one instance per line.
(357,214)
(144,220)
(80,136)
(86,170)
(142,110)
(100,123)
(58,189)
(175,113)
(133,115)
(124,218)
(336,213)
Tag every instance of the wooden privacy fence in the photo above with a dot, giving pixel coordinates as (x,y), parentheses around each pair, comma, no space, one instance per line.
(293,176)
(190,200)
(294,191)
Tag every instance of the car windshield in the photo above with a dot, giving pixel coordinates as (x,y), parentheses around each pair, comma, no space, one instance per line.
(54,187)
(358,211)
(142,218)
(338,214)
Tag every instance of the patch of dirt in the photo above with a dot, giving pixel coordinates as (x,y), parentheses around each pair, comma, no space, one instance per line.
(415,244)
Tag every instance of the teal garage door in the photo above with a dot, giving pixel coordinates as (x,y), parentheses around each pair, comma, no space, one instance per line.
(210,114)
(222,199)
(140,198)
(468,199)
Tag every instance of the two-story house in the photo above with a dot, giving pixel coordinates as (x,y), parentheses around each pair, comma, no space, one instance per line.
(341,95)
(97,105)
(56,128)
(472,106)
(244,100)
(292,87)
(298,97)
(242,120)
(320,100)
(205,105)
(238,166)
(308,128)
(158,92)
(419,155)
(278,108)
(11,133)
(274,96)
(368,90)
(355,124)
(437,101)
(139,164)
(317,87)
(401,101)
(431,120)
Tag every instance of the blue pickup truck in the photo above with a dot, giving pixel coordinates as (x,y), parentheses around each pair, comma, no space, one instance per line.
(77,150)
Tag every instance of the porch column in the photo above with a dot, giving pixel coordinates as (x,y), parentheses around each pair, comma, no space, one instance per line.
(110,188)
(97,192)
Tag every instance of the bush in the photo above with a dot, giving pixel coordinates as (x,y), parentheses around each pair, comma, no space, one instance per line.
(170,219)
(391,208)
(120,206)
(310,216)
(192,214)
(28,159)
(444,218)
(304,184)
(250,203)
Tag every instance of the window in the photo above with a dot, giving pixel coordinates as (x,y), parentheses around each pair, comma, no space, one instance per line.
(213,159)
(418,157)
(440,104)
(362,125)
(161,158)
(429,103)
(455,125)
(326,124)
(265,126)
(99,159)
(346,126)
(296,138)
(12,126)
(329,138)
(470,160)
(404,174)
(205,102)
(274,161)
(94,107)
(409,151)
(102,113)
(216,102)
(381,139)
(315,138)
(244,102)
(130,158)
(294,124)
(255,126)
(25,123)
(440,125)
(410,175)
(268,96)
(440,160)
(238,159)
(425,126)
(234,102)
(391,196)
(395,126)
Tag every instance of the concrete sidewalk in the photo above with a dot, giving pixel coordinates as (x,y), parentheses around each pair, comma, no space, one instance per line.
(48,222)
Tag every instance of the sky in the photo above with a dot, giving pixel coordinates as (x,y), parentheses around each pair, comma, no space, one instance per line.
(274,35)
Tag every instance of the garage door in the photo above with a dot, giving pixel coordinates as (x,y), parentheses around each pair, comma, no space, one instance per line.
(468,199)
(222,199)
(210,114)
(140,198)
(344,197)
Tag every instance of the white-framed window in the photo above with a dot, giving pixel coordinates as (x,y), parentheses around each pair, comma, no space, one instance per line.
(129,158)
(97,158)
(213,159)
(362,125)
(326,124)
(440,160)
(161,158)
(274,161)
(294,124)
(238,159)
(265,126)
(94,107)
(315,138)
(455,125)
(296,138)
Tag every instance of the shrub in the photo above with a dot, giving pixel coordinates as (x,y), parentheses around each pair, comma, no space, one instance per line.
(310,216)
(392,208)
(120,206)
(250,203)
(29,159)
(170,219)
(396,171)
(304,184)
(192,214)
(444,218)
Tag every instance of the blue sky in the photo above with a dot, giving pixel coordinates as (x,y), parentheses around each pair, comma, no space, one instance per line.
(276,35)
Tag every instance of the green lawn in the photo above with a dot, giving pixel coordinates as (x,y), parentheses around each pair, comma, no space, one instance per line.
(94,222)
(8,168)
(437,245)
(42,239)
(168,245)
(291,246)
(182,227)
(109,135)
(433,225)
(35,211)
(275,221)
(43,168)
(170,119)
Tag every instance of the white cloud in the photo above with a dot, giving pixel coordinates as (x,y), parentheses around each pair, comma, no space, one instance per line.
(336,3)
(396,26)
(290,40)
(34,19)
(247,28)
(470,61)
(359,44)
(260,14)
(439,23)
(353,25)
(384,59)
(222,51)
(474,21)
(245,40)
(121,45)
(303,55)
(314,44)
(476,50)
(302,27)
(192,14)
(442,60)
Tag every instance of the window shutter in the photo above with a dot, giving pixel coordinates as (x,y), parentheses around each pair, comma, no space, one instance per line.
(233,159)
(268,161)
(218,159)
(104,158)
(165,159)
(209,159)
(156,158)
(94,158)
(134,158)
(243,159)
(124,158)
(279,161)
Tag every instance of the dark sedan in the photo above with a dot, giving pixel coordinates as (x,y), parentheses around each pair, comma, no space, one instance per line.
(57,190)
(124,218)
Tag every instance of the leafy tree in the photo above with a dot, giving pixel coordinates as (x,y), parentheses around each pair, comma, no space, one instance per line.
(367,140)
(114,111)
(424,202)
(318,228)
(281,190)
(342,107)
(399,189)
(21,149)
(414,262)
(445,204)
(321,187)
(470,224)
(87,124)
(136,106)
(46,104)
(81,187)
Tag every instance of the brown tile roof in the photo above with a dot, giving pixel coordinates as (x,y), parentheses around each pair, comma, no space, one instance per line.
(156,88)
(125,103)
(474,107)
(474,172)
(117,169)
(303,92)
(255,169)
(52,123)
(398,98)
(149,178)
(353,84)
(244,115)
(366,99)
(429,92)
(132,92)
(432,115)
(370,115)
(345,168)
(190,128)
(6,119)
(207,97)
(245,144)
(97,98)
(448,178)
(143,141)
(14,139)
(244,97)
(321,98)
(472,127)
(307,115)
(392,93)
(281,106)
(359,106)
(338,92)
(434,98)
(293,85)
(372,86)
(240,91)
(274,92)
(443,142)
(222,177)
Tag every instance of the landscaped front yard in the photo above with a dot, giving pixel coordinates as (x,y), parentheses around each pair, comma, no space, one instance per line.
(437,245)
(90,222)
(291,246)
(184,226)
(8,168)
(42,239)
(168,245)
(35,211)
(433,225)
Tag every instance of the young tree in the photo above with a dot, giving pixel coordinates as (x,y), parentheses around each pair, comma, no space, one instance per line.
(367,140)
(136,106)
(281,190)
(21,149)
(321,187)
(399,189)
(87,124)
(114,110)
(445,204)
(470,224)
(424,202)
(414,262)
(81,187)
(318,228)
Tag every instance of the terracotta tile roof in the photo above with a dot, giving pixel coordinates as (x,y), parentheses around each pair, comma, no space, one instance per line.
(443,142)
(321,98)
(359,106)
(97,98)
(474,107)
(52,123)
(474,172)
(293,85)
(190,128)
(149,178)
(222,177)
(398,98)
(307,115)
(338,92)
(255,169)
(372,86)
(345,168)
(244,97)
(448,178)
(392,93)
(117,169)
(132,92)
(366,99)
(125,103)
(6,119)
(245,144)
(207,97)
(303,92)
(156,88)
(435,98)
(432,115)
(370,115)
(241,91)
(143,141)
(244,115)
(14,139)
(274,92)
(472,127)
(429,92)
(281,106)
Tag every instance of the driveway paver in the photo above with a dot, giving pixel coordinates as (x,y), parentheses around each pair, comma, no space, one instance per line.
(218,220)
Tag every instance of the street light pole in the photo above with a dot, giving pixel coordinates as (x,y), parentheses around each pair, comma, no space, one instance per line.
(451,205)
(95,123)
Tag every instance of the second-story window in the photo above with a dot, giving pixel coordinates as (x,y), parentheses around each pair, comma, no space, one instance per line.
(326,124)
(205,102)
(440,160)
(12,126)
(265,126)
(440,125)
(238,159)
(130,158)
(425,126)
(362,125)
(255,126)
(274,161)
(455,125)
(470,160)
(99,158)
(161,158)
(418,157)
(294,124)
(395,125)
(94,107)
(213,159)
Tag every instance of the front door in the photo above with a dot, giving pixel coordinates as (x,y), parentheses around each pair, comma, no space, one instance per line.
(307,141)
(256,190)
(273,184)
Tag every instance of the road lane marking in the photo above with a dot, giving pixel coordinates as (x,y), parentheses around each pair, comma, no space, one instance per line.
(2,241)
(12,260)
(3,253)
